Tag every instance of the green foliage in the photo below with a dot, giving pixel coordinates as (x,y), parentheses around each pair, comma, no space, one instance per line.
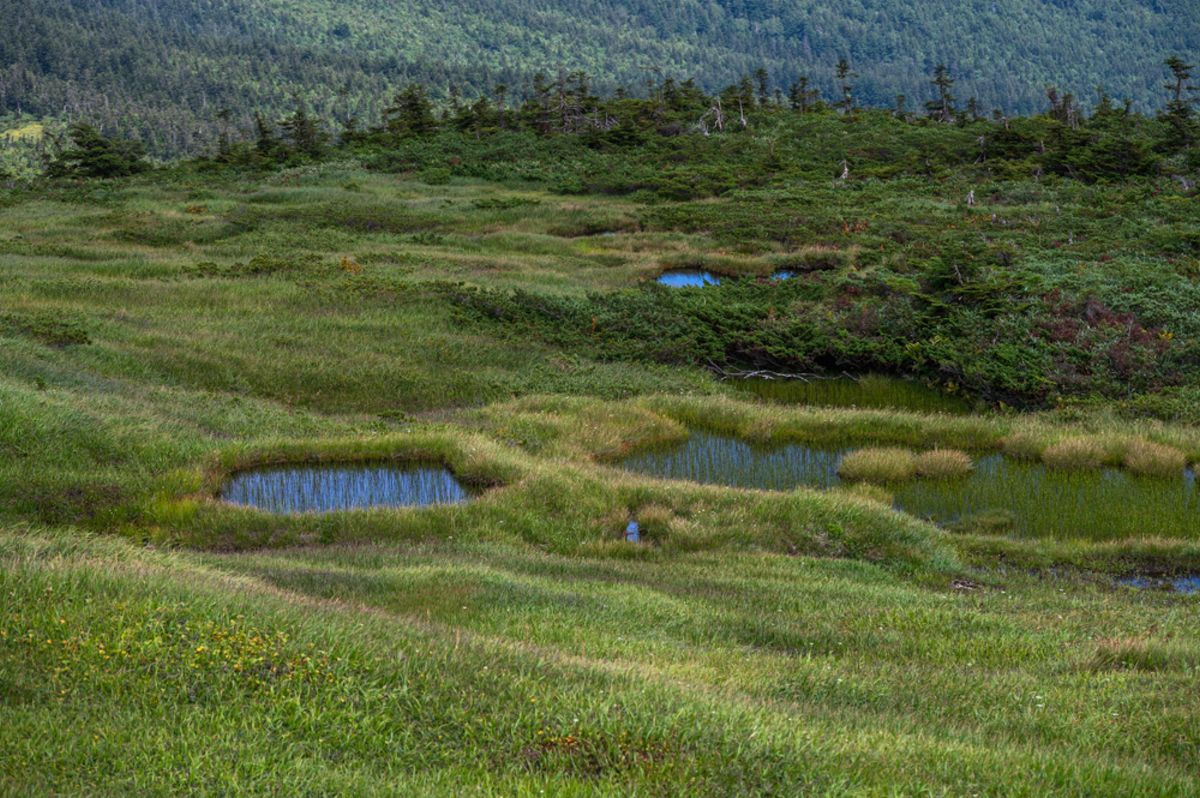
(91,154)
(155,68)
(49,328)
(163,330)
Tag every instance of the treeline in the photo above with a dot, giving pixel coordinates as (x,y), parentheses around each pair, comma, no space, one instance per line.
(159,70)
(1107,141)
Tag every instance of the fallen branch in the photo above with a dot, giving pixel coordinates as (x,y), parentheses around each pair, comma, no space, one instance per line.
(766,374)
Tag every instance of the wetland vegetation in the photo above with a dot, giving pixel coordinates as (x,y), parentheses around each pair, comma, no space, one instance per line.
(867,391)
(661,584)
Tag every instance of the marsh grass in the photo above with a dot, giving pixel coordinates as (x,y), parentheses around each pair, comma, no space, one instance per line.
(942,464)
(814,258)
(1154,459)
(867,391)
(1075,454)
(878,465)
(769,642)
(656,522)
(1023,445)
(998,496)
(866,490)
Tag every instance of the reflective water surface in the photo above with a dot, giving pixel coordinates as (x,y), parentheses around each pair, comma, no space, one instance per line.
(1001,495)
(1180,584)
(688,278)
(698,278)
(325,488)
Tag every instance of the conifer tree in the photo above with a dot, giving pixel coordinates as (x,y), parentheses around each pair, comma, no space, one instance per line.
(411,113)
(93,154)
(844,75)
(1178,113)
(802,96)
(265,142)
(303,132)
(762,79)
(942,108)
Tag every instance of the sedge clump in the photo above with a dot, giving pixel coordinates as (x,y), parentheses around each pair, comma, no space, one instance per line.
(1154,459)
(943,464)
(1074,454)
(878,465)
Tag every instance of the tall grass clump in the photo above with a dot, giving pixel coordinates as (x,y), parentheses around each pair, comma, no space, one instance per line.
(1023,446)
(1154,459)
(943,464)
(1141,654)
(1075,454)
(879,465)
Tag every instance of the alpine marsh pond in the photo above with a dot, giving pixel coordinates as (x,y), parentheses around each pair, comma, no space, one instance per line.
(1177,584)
(999,495)
(699,278)
(688,278)
(329,488)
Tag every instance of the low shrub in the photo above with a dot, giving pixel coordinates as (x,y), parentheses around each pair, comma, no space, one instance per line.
(54,329)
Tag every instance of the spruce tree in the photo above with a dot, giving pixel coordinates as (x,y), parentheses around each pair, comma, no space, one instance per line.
(942,109)
(762,79)
(303,132)
(844,74)
(411,113)
(93,154)
(1178,113)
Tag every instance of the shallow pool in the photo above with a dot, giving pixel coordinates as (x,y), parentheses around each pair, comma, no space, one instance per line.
(326,488)
(688,278)
(1179,584)
(1001,495)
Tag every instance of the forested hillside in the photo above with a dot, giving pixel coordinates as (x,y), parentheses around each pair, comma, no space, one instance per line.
(163,68)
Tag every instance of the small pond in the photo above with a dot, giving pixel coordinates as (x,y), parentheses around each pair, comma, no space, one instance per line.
(1179,584)
(1001,495)
(633,532)
(698,278)
(688,278)
(326,488)
(868,391)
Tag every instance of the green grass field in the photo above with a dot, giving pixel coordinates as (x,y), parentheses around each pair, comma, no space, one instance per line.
(159,333)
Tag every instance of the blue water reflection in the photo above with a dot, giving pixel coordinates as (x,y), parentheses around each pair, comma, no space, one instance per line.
(326,488)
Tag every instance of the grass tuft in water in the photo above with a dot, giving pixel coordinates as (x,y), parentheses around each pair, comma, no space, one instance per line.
(879,465)
(1023,446)
(1074,454)
(1154,459)
(943,464)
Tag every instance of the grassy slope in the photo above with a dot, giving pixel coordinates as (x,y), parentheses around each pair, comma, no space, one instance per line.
(448,668)
(507,646)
